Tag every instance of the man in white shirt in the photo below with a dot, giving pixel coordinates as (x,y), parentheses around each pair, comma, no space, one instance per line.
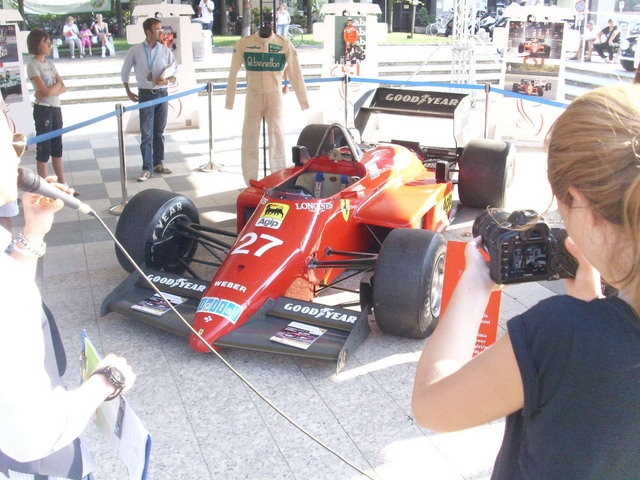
(590,34)
(205,10)
(149,60)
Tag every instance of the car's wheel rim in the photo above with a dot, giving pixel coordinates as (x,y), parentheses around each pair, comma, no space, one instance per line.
(437,281)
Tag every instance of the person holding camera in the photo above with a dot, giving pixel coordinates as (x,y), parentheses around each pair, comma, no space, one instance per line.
(566,374)
(40,420)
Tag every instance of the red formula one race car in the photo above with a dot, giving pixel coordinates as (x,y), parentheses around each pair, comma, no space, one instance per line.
(342,209)
(532,87)
(536,47)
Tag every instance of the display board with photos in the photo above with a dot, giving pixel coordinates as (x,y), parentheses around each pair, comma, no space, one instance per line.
(533,66)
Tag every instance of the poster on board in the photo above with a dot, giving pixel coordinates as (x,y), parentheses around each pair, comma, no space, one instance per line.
(533,67)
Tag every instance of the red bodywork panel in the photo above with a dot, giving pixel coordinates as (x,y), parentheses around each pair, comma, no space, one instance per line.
(389,188)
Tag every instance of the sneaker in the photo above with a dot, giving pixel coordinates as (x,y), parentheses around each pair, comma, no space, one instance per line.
(72,56)
(161,169)
(144,176)
(81,56)
(103,55)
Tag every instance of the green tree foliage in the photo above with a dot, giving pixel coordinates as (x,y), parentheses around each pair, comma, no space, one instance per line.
(423,18)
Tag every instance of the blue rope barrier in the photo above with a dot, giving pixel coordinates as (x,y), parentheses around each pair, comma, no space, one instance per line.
(62,131)
(150,103)
(223,86)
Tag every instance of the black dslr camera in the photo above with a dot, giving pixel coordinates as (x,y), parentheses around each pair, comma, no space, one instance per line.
(523,248)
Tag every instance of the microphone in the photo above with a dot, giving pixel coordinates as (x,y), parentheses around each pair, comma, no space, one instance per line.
(29,181)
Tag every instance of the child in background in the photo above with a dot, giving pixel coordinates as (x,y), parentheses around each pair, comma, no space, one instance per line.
(85,35)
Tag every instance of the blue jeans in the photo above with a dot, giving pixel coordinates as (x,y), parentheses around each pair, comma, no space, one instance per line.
(152,122)
(282,29)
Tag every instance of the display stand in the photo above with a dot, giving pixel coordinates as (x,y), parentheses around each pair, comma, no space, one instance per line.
(13,80)
(359,61)
(535,46)
(179,34)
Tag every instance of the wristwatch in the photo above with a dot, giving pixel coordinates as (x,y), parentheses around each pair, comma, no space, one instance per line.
(114,377)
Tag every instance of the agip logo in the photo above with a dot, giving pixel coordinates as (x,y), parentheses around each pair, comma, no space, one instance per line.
(273,215)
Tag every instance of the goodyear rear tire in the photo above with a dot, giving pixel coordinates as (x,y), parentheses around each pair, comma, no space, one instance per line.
(516,87)
(147,230)
(407,283)
(521,48)
(487,169)
(311,136)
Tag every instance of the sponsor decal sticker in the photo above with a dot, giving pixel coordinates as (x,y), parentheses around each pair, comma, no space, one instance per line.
(184,283)
(318,207)
(447,202)
(420,99)
(227,309)
(373,170)
(320,312)
(264,62)
(231,285)
(274,47)
(345,206)
(273,215)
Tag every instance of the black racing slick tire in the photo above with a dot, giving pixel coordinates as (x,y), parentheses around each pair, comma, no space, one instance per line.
(311,136)
(147,229)
(407,283)
(487,170)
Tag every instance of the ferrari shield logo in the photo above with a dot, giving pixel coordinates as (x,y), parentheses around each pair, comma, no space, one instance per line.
(345,207)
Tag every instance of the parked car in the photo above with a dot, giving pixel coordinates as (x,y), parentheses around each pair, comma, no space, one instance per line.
(628,52)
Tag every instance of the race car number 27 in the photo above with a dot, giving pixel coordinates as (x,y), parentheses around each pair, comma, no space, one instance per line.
(246,244)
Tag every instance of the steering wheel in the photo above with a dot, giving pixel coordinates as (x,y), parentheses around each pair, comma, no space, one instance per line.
(297,190)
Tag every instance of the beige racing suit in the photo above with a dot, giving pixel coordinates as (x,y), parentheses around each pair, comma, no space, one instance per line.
(264,60)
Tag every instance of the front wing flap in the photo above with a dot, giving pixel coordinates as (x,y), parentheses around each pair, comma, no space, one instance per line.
(339,341)
(345,329)
(135,289)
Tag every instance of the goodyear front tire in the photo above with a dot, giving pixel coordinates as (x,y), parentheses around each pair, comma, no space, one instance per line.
(407,283)
(147,229)
(487,169)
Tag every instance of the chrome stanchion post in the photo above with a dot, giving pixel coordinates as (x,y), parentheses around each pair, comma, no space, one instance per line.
(487,91)
(211,166)
(117,209)
(346,96)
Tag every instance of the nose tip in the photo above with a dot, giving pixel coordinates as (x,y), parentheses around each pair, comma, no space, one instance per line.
(200,346)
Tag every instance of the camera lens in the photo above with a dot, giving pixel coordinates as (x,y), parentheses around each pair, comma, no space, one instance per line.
(488,220)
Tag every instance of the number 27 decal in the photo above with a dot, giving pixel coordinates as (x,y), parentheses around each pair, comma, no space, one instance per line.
(251,238)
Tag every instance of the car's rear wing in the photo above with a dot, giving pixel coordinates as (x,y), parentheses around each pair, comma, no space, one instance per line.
(394,101)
